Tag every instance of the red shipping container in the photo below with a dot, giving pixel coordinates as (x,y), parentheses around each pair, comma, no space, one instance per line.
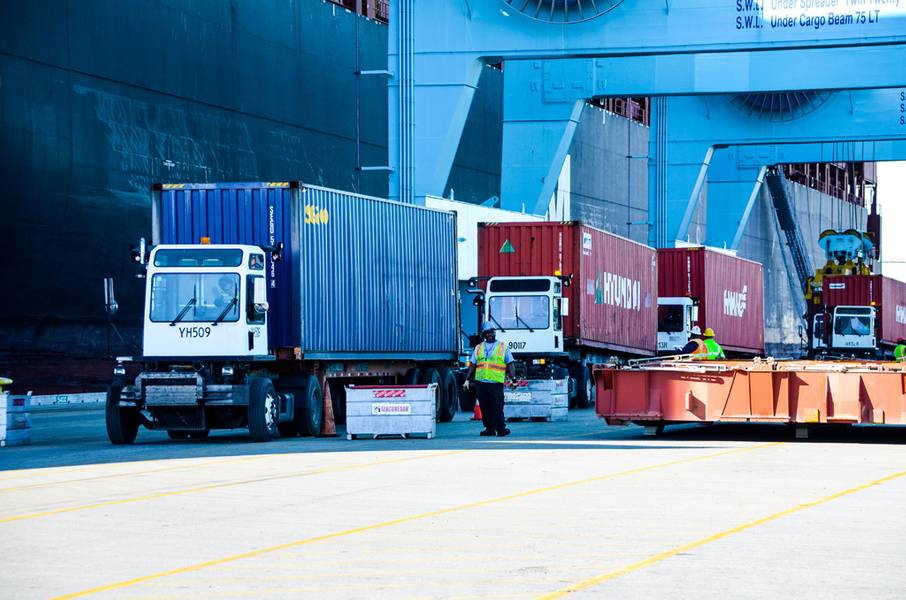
(612,298)
(729,289)
(888,295)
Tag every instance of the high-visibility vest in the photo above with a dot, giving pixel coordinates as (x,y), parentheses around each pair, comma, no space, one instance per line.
(899,353)
(490,368)
(714,349)
(701,351)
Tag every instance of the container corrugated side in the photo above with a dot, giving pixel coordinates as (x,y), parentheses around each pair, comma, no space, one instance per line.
(729,289)
(613,293)
(617,291)
(379,277)
(360,277)
(240,213)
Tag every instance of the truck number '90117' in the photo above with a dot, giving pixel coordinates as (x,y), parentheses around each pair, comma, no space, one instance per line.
(516,345)
(194,332)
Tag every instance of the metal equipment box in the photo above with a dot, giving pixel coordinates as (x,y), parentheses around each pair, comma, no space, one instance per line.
(403,410)
(546,399)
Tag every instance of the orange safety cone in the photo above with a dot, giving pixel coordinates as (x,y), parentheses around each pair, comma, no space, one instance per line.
(328,425)
(476,416)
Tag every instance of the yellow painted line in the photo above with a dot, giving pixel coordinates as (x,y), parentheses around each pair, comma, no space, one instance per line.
(402,520)
(662,556)
(215,486)
(179,467)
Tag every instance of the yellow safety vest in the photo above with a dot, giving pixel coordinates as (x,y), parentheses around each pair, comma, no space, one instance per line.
(714,350)
(490,368)
(899,353)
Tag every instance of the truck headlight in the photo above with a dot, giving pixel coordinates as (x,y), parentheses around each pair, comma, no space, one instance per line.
(119,370)
(226,370)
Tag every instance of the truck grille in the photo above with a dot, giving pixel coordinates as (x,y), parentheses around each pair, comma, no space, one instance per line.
(170,389)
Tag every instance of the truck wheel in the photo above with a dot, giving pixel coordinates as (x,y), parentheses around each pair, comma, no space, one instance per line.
(122,423)
(433,376)
(263,409)
(412,377)
(312,404)
(449,393)
(585,393)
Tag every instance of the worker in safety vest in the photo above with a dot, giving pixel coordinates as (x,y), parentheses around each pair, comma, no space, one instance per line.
(491,365)
(696,345)
(899,353)
(714,351)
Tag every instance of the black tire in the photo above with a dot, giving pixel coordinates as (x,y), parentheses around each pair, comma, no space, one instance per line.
(412,377)
(178,434)
(466,397)
(311,415)
(585,387)
(433,376)
(449,394)
(263,409)
(122,423)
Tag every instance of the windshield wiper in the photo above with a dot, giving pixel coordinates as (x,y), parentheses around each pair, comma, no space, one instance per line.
(519,319)
(183,312)
(226,309)
(499,326)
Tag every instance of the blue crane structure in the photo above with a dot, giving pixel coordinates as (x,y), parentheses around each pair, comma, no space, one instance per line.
(771,75)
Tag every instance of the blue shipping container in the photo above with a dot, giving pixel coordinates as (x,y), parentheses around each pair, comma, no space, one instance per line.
(360,277)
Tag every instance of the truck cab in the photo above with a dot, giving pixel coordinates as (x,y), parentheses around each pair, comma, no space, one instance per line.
(853,329)
(675,318)
(527,312)
(205,301)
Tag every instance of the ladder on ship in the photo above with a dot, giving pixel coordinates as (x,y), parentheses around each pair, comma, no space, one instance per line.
(789,224)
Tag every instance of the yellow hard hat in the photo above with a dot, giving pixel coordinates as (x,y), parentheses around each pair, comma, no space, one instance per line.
(709,332)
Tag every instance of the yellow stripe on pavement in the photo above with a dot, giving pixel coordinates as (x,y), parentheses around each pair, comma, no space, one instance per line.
(662,556)
(384,524)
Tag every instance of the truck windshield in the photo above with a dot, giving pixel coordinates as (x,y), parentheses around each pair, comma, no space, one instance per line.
(670,318)
(533,311)
(852,325)
(204,297)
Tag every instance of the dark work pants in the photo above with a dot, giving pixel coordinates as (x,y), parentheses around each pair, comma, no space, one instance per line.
(490,396)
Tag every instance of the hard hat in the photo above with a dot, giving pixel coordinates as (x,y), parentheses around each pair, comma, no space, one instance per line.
(899,341)
(709,332)
(696,330)
(488,326)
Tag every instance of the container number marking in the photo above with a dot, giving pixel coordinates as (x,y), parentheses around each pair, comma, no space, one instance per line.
(194,332)
(315,215)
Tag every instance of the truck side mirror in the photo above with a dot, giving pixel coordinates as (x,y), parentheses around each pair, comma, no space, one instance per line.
(259,295)
(694,314)
(564,307)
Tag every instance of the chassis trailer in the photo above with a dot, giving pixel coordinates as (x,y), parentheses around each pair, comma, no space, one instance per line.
(263,300)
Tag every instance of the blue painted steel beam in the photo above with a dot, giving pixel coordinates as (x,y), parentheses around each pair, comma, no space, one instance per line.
(695,126)
(441,44)
(542,98)
(539,122)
